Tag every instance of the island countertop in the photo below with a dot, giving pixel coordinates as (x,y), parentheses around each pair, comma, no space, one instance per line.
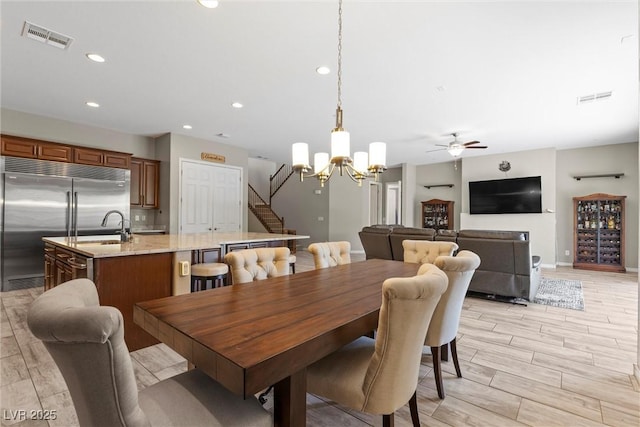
(109,246)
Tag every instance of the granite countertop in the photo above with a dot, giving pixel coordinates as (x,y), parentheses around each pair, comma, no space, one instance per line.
(110,246)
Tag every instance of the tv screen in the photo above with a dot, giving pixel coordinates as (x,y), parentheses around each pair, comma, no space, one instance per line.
(504,196)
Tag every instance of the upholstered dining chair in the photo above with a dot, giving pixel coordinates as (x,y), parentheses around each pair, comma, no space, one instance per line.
(86,341)
(446,317)
(247,265)
(330,254)
(380,376)
(426,251)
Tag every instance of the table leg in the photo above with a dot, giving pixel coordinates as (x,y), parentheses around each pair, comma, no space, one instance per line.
(290,400)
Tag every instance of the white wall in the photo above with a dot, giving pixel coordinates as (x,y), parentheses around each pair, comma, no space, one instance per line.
(619,158)
(260,170)
(541,227)
(49,129)
(349,210)
(186,147)
(302,208)
(440,173)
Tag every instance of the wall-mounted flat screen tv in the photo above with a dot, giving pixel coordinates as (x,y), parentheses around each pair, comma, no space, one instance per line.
(506,196)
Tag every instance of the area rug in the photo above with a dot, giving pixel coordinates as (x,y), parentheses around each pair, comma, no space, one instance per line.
(560,293)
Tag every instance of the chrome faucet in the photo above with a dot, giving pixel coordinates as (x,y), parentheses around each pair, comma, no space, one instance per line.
(124,235)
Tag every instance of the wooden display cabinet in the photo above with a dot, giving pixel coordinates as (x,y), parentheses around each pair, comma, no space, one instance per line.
(437,214)
(598,232)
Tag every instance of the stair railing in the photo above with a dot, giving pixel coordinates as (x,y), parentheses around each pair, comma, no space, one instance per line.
(277,180)
(262,210)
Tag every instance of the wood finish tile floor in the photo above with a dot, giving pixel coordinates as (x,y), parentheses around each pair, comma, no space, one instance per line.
(529,365)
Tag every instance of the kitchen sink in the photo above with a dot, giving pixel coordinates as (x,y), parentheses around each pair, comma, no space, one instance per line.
(98,242)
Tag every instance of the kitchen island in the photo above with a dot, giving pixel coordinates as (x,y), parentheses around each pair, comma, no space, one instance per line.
(144,268)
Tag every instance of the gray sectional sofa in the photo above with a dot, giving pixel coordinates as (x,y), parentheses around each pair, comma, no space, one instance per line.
(507,269)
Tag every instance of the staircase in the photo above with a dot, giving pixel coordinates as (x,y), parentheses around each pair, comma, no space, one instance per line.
(262,210)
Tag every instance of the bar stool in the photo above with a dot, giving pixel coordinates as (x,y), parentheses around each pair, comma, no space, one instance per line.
(292,264)
(202,273)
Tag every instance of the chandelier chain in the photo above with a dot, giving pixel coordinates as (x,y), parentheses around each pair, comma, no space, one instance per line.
(340,54)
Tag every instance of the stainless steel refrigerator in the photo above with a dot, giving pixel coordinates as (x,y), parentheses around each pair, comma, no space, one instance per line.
(43,198)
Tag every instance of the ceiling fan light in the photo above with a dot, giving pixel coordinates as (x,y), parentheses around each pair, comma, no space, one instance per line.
(455,150)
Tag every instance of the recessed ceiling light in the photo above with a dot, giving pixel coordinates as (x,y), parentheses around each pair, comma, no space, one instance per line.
(237,105)
(92,104)
(323,70)
(210,4)
(95,57)
(187,127)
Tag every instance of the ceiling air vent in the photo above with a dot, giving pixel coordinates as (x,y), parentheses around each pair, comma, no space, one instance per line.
(601,96)
(44,35)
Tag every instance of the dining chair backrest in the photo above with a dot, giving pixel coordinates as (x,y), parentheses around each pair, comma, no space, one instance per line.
(247,265)
(446,317)
(407,306)
(330,254)
(426,251)
(86,341)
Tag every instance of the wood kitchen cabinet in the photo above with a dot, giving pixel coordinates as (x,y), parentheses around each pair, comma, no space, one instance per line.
(16,146)
(96,157)
(61,266)
(145,176)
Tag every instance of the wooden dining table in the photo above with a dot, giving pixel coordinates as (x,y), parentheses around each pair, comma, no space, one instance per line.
(252,335)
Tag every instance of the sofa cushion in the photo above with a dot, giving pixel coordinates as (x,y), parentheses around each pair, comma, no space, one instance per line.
(375,241)
(494,234)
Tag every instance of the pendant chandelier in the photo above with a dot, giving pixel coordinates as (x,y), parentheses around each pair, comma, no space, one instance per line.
(361,166)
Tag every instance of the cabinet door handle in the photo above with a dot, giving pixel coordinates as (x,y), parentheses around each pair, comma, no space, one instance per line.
(78,265)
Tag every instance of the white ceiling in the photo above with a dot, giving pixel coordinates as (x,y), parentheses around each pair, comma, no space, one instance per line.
(507,73)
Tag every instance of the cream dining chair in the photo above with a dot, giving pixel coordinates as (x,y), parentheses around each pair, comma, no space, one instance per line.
(426,251)
(247,265)
(446,317)
(380,376)
(86,341)
(330,254)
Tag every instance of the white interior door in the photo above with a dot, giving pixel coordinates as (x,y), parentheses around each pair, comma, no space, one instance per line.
(210,198)
(227,216)
(394,203)
(196,194)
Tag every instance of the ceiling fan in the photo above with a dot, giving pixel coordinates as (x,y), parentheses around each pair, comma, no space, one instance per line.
(456,148)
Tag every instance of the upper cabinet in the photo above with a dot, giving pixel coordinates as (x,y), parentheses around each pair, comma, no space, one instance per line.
(16,146)
(31,148)
(94,157)
(144,183)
